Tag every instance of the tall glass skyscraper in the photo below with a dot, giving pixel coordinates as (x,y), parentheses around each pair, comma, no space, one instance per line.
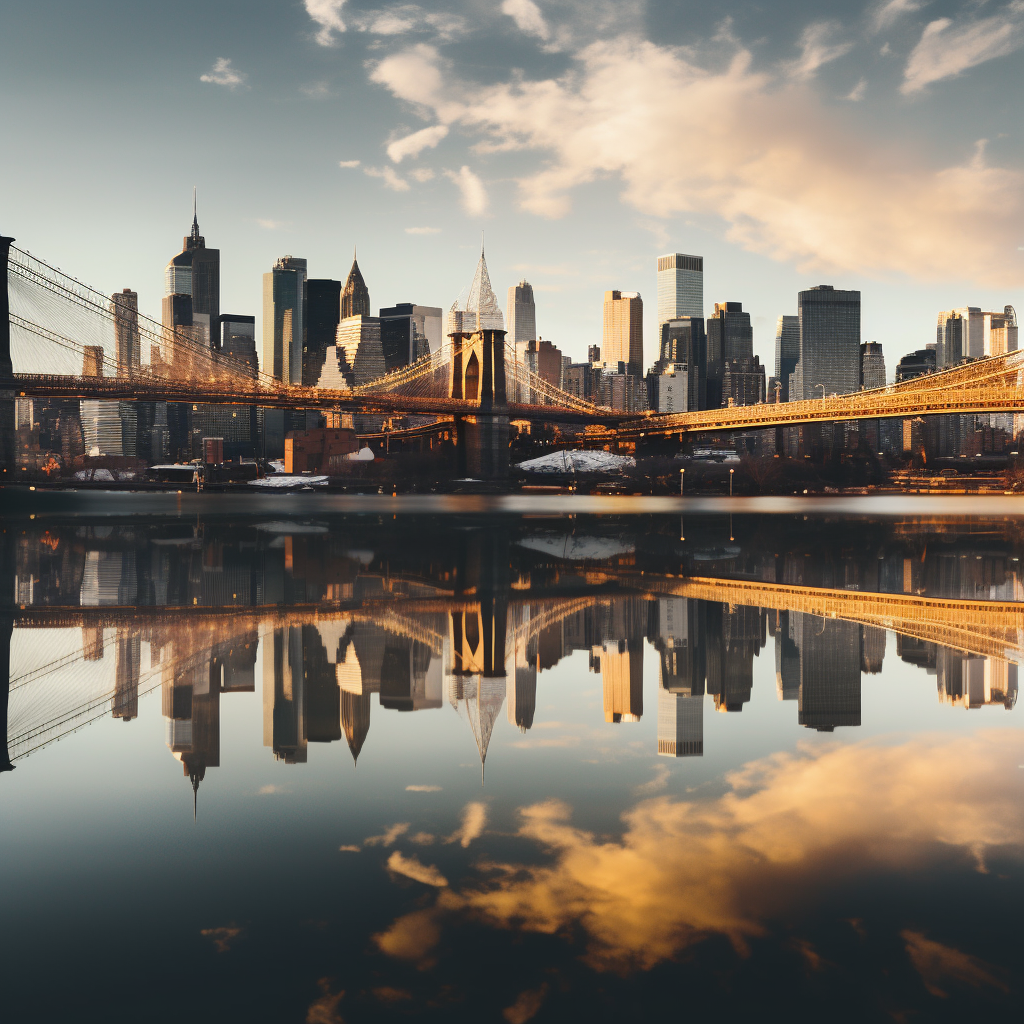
(623,339)
(521,315)
(730,337)
(787,354)
(829,342)
(284,319)
(680,287)
(323,312)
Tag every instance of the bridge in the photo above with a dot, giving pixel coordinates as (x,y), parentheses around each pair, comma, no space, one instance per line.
(61,339)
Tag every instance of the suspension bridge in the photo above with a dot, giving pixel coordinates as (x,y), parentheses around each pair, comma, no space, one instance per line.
(61,339)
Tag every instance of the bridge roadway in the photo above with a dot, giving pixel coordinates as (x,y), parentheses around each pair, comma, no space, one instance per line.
(990,628)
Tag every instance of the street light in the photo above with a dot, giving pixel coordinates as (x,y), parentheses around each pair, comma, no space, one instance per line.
(731,471)
(682,477)
(822,386)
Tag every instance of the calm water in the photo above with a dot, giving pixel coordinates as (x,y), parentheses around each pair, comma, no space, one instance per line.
(290,759)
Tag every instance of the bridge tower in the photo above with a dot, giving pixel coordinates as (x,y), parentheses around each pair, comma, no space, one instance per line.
(7,447)
(478,375)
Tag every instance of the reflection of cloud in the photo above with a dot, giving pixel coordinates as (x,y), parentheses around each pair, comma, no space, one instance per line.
(389,836)
(526,1005)
(325,1009)
(792,821)
(222,937)
(270,789)
(657,784)
(423,789)
(387,994)
(474,819)
(414,868)
(938,963)
(422,838)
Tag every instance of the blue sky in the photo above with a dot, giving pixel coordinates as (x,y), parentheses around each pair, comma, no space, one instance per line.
(871,145)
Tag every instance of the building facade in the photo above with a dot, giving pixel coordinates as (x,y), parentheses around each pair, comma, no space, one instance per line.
(521,313)
(730,337)
(680,286)
(787,353)
(409,332)
(829,356)
(623,337)
(323,312)
(284,319)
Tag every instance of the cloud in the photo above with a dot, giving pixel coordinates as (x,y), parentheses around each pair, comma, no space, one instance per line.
(817,50)
(938,963)
(474,195)
(222,937)
(390,835)
(350,848)
(413,145)
(348,163)
(316,90)
(947,48)
(325,1009)
(888,12)
(327,14)
(474,819)
(270,225)
(422,231)
(402,19)
(856,94)
(662,773)
(421,174)
(421,839)
(391,180)
(222,73)
(684,870)
(270,788)
(526,1005)
(422,789)
(781,171)
(413,868)
(528,18)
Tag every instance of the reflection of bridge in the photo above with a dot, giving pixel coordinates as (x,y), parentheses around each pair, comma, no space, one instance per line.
(56,326)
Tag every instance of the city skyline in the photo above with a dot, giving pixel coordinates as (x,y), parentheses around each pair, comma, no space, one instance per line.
(836,71)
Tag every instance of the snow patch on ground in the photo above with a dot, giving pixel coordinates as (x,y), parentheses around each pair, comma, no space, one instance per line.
(578,461)
(286,482)
(578,548)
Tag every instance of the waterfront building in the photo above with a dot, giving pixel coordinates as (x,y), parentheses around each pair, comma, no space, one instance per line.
(743,381)
(680,287)
(521,314)
(323,312)
(787,353)
(623,338)
(671,388)
(684,343)
(409,332)
(284,319)
(829,356)
(481,310)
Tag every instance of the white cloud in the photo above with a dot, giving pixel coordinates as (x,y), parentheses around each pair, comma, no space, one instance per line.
(422,789)
(270,225)
(423,231)
(327,14)
(779,168)
(888,12)
(474,195)
(528,18)
(414,144)
(816,50)
(413,868)
(947,48)
(856,94)
(391,180)
(474,820)
(349,848)
(348,163)
(222,73)
(270,789)
(316,91)
(402,19)
(422,174)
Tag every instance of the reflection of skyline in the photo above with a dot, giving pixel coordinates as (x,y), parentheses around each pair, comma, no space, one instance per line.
(476,621)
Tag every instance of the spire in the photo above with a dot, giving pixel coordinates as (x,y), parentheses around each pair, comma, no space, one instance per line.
(195,217)
(355,297)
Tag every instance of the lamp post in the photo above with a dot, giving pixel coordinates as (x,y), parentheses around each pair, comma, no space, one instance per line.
(731,471)
(822,386)
(682,477)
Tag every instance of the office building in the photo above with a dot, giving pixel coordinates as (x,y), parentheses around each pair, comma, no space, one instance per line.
(521,314)
(284,319)
(623,338)
(238,341)
(916,364)
(829,356)
(680,287)
(680,724)
(743,381)
(968,332)
(410,332)
(481,311)
(684,343)
(125,307)
(355,296)
(872,365)
(544,359)
(787,354)
(581,380)
(323,312)
(671,388)
(730,337)
(357,357)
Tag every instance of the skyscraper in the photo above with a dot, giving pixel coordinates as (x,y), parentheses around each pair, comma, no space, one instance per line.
(409,332)
(829,342)
(521,314)
(872,365)
(284,319)
(125,307)
(787,353)
(684,343)
(481,311)
(968,332)
(730,337)
(680,286)
(323,311)
(623,338)
(355,296)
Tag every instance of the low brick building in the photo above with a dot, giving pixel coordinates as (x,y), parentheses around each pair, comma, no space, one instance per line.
(318,451)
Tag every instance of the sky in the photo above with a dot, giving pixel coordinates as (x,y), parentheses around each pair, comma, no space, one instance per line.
(870,145)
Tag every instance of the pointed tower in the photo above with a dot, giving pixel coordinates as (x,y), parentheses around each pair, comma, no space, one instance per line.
(481,311)
(355,296)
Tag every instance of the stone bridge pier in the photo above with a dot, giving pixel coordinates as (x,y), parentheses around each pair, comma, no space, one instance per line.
(478,375)
(7,447)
